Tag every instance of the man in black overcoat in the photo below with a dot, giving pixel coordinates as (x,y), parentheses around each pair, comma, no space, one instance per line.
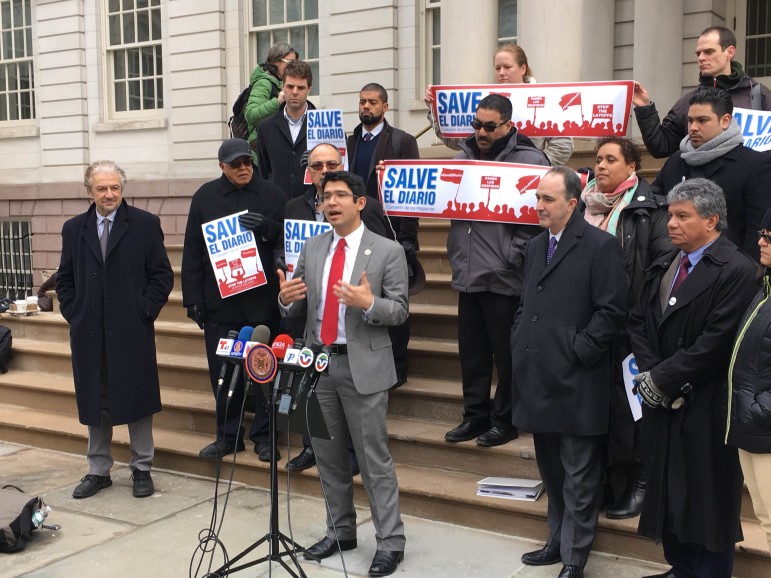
(113,280)
(714,150)
(681,333)
(237,189)
(574,303)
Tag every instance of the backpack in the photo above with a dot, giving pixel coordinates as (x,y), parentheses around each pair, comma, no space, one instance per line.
(20,515)
(5,348)
(237,123)
(239,128)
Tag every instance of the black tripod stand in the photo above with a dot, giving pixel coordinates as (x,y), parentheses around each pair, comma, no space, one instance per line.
(280,546)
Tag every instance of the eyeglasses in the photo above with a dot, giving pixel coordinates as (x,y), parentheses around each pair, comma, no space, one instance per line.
(339,196)
(765,236)
(477,124)
(242,162)
(331,165)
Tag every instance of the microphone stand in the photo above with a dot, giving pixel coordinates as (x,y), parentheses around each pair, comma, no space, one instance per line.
(279,545)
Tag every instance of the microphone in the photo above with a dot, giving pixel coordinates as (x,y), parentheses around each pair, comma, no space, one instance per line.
(238,353)
(306,360)
(289,366)
(232,334)
(280,345)
(261,334)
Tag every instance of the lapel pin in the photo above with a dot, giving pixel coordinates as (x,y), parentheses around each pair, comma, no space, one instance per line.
(368,252)
(672,301)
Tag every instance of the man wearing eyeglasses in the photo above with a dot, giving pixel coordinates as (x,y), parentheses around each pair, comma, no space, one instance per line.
(239,188)
(486,260)
(323,159)
(350,285)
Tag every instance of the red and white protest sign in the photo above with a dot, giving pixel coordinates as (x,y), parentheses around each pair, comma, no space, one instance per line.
(580,109)
(461,189)
(233,255)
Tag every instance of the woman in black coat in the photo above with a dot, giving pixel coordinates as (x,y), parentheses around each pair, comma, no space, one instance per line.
(621,203)
(749,392)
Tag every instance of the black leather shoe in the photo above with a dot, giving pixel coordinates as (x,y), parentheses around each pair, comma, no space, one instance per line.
(355,471)
(302,461)
(90,485)
(669,574)
(384,563)
(571,572)
(543,557)
(629,504)
(219,448)
(467,430)
(262,449)
(143,483)
(497,436)
(325,547)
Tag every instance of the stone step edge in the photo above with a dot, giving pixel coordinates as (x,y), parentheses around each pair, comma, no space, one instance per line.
(461,486)
(404,429)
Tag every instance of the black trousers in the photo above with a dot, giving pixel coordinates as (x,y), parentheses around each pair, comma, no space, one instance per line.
(694,560)
(228,428)
(484,328)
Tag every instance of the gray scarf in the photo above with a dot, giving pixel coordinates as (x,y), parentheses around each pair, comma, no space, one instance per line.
(728,140)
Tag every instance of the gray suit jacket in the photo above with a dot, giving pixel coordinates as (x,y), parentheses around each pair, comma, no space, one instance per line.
(369,346)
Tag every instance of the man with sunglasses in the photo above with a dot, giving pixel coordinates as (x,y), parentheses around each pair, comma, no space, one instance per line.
(486,260)
(239,188)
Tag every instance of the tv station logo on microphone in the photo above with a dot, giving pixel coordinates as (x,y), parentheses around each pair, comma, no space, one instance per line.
(322,361)
(292,356)
(305,359)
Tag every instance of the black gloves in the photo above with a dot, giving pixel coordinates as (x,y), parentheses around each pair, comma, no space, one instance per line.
(255,222)
(652,395)
(409,252)
(197,313)
(304,159)
(280,263)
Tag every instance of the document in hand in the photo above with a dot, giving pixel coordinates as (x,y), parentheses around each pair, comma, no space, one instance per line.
(510,488)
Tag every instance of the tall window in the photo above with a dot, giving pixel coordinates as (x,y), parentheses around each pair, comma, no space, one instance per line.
(507,22)
(758,38)
(134,55)
(295,22)
(434,41)
(17,82)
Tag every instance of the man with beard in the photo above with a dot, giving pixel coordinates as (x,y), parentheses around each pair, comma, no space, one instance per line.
(486,260)
(375,140)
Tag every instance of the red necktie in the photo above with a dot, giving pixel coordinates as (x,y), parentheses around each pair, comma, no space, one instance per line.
(682,273)
(331,306)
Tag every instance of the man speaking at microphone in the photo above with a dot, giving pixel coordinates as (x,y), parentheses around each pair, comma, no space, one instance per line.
(352,285)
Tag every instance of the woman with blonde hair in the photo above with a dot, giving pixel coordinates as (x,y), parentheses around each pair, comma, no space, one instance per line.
(511,67)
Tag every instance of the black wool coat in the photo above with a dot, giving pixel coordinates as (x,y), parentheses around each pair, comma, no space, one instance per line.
(569,314)
(279,157)
(214,200)
(744,175)
(694,479)
(113,304)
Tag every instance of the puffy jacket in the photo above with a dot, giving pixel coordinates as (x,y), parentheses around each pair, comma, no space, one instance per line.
(662,138)
(488,256)
(263,101)
(749,378)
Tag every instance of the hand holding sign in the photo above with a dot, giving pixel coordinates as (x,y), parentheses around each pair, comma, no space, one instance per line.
(290,291)
(355,295)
